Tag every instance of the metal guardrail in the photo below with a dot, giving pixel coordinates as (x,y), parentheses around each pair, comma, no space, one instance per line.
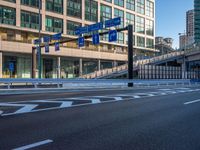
(92,82)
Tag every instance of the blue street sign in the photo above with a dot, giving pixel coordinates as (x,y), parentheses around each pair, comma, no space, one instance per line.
(46,39)
(46,48)
(81,30)
(37,41)
(95,39)
(57,46)
(81,41)
(57,36)
(113,22)
(95,27)
(11,66)
(112,36)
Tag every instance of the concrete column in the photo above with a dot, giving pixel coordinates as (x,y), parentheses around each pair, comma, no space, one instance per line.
(43,14)
(183,71)
(115,64)
(1,65)
(80,67)
(65,17)
(58,67)
(99,65)
(18,19)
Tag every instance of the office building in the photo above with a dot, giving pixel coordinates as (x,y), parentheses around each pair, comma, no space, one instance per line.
(20,24)
(197,21)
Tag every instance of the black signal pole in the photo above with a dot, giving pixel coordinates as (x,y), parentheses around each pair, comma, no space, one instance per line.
(130,54)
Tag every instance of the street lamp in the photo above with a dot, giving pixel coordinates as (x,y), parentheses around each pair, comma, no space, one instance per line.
(39,48)
(184,50)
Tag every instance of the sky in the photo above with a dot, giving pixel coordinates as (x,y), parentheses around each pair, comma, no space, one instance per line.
(171,18)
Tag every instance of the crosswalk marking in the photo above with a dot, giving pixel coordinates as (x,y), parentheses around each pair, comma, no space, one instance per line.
(63,103)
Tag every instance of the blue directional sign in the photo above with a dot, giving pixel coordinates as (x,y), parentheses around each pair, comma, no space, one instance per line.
(11,66)
(57,46)
(81,41)
(95,39)
(95,27)
(46,48)
(57,36)
(81,30)
(37,41)
(112,36)
(113,22)
(46,39)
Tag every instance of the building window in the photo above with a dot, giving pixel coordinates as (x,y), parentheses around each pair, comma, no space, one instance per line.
(119,2)
(140,6)
(140,25)
(120,38)
(32,3)
(149,43)
(13,1)
(130,19)
(74,8)
(150,9)
(71,27)
(29,20)
(119,13)
(126,40)
(54,6)
(91,10)
(7,15)
(106,13)
(110,1)
(130,4)
(140,41)
(149,27)
(54,24)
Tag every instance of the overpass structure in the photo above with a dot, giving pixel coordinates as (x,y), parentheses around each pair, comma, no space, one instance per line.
(175,65)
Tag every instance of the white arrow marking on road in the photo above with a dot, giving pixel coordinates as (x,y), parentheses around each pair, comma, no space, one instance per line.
(25,107)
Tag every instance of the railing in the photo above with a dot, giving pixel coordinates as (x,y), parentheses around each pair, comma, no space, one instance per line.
(69,83)
(105,72)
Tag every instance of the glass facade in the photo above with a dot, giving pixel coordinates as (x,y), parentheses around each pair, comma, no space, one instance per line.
(74,8)
(54,6)
(110,1)
(140,6)
(71,27)
(119,13)
(140,41)
(149,27)
(130,19)
(150,8)
(197,21)
(130,4)
(91,10)
(13,1)
(54,24)
(120,38)
(140,25)
(106,13)
(29,20)
(119,2)
(149,43)
(7,15)
(32,3)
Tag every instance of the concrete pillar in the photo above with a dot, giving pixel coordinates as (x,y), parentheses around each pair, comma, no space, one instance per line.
(65,17)
(80,67)
(115,64)
(99,65)
(18,12)
(1,65)
(58,68)
(43,10)
(183,70)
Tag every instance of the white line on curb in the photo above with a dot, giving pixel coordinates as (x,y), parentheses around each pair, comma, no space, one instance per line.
(34,145)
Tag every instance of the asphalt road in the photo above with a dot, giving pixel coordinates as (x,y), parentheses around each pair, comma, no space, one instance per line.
(143,119)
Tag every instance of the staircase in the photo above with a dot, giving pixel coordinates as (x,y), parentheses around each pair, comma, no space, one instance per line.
(123,69)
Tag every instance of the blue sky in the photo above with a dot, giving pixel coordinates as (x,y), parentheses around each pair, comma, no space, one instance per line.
(171,18)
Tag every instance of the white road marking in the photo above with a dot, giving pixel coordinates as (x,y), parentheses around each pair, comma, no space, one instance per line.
(1,112)
(34,145)
(95,101)
(191,102)
(25,107)
(63,103)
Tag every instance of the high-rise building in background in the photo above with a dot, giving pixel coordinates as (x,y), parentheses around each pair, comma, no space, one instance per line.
(186,39)
(19,25)
(197,21)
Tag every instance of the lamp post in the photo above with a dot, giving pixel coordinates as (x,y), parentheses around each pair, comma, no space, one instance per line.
(184,49)
(39,48)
